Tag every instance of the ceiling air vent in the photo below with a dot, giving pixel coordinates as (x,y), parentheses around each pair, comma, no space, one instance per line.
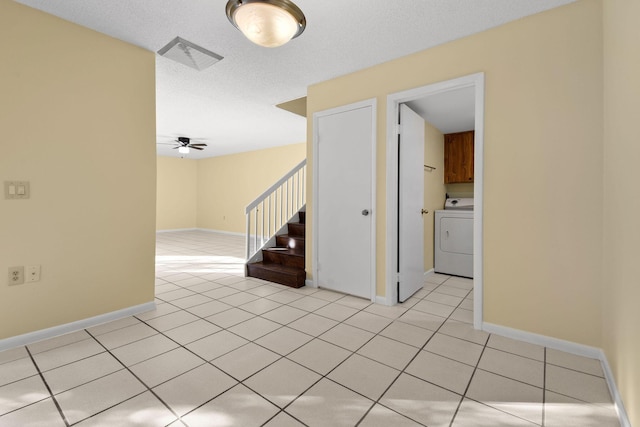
(187,53)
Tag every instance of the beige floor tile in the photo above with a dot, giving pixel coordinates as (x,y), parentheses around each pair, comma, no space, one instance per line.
(563,411)
(309,303)
(354,302)
(347,336)
(422,320)
(216,345)
(516,398)
(467,304)
(260,306)
(124,336)
(142,410)
(444,299)
(16,370)
(368,321)
(13,354)
(284,420)
(319,356)
(239,299)
(389,352)
(586,387)
(391,312)
(282,382)
(245,361)
(165,366)
(40,414)
(474,414)
(441,371)
(60,341)
(264,290)
(513,366)
(231,317)
(434,308)
(454,348)
(329,404)
(205,287)
(436,278)
(313,324)
(464,331)
(284,340)
(462,315)
(460,282)
(254,328)
(284,314)
(379,416)
(236,407)
(91,398)
(572,361)
(188,391)
(113,326)
(172,320)
(191,301)
(192,331)
(160,310)
(328,295)
(245,285)
(22,393)
(520,348)
(144,349)
(69,353)
(406,333)
(174,295)
(336,312)
(364,376)
(81,372)
(284,297)
(221,292)
(209,308)
(452,290)
(421,401)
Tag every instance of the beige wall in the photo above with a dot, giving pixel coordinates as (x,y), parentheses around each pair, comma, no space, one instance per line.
(621,287)
(177,186)
(80,127)
(434,188)
(543,137)
(227,184)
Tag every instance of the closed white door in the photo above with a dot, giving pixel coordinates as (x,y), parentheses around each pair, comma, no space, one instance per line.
(344,155)
(410,204)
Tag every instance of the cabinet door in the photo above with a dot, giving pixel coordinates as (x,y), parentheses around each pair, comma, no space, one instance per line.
(458,157)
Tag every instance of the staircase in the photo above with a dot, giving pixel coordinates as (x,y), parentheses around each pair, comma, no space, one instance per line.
(283,263)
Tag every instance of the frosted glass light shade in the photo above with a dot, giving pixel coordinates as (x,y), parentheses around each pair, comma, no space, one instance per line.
(183,150)
(268,23)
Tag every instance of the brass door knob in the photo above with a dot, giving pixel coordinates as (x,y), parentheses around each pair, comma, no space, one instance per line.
(424,212)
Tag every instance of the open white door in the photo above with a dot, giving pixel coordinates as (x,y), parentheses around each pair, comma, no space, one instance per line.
(343,199)
(410,204)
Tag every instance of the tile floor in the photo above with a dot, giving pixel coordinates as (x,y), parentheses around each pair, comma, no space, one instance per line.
(223,350)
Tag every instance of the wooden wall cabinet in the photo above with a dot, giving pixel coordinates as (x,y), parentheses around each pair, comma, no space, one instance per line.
(458,157)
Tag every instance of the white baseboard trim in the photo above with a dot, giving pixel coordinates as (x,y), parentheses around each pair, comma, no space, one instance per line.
(231,233)
(78,325)
(569,347)
(428,272)
(613,389)
(381,300)
(171,230)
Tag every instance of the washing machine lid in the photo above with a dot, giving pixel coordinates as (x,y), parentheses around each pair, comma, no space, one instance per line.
(459,204)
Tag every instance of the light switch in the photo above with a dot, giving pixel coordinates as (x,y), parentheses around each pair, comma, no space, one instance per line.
(12,190)
(21,190)
(16,189)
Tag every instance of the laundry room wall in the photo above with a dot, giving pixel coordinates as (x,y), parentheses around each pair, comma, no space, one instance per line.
(434,188)
(542,157)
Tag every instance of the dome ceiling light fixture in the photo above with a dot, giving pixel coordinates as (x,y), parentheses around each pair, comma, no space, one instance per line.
(268,23)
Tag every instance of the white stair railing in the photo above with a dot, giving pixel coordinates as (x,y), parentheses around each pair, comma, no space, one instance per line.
(270,211)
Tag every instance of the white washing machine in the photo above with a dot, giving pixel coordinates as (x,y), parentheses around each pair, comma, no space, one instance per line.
(454,238)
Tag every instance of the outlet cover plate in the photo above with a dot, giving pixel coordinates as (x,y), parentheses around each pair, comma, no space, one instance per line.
(16,275)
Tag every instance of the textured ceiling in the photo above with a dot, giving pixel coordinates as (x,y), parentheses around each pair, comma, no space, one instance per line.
(232,104)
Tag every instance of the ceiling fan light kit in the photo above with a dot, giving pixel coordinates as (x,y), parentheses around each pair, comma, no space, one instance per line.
(183,150)
(268,23)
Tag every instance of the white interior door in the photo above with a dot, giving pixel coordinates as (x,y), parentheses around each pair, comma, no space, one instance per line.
(410,203)
(344,156)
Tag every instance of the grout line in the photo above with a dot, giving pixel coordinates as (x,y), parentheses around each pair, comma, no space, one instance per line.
(55,401)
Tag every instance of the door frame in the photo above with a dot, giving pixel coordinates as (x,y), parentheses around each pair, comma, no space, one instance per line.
(314,207)
(393,102)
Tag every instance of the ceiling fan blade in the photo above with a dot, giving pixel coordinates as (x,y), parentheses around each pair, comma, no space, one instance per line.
(197,145)
(175,148)
(196,148)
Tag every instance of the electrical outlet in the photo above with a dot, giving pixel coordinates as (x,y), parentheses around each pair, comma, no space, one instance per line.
(16,275)
(33,273)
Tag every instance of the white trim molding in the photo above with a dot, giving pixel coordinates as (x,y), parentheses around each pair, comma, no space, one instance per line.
(569,347)
(231,233)
(393,105)
(78,325)
(171,230)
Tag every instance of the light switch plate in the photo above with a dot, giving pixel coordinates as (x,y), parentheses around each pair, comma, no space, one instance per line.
(16,190)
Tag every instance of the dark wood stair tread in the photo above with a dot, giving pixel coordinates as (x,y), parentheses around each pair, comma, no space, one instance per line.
(285,251)
(278,273)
